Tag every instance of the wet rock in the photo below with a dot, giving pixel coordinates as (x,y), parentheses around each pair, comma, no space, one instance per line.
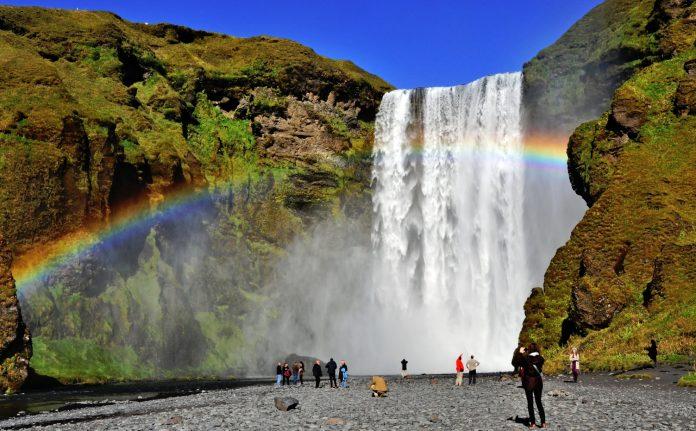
(286,403)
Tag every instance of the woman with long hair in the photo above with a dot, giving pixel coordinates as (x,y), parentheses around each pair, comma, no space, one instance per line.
(531,362)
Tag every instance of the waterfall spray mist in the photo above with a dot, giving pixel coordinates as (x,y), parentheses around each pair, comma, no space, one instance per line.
(445,269)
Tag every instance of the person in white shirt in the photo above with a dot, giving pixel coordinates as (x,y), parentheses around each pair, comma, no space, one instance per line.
(471,365)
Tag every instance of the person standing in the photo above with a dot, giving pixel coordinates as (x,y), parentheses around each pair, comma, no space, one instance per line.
(301,373)
(471,365)
(404,374)
(331,370)
(531,363)
(279,374)
(295,372)
(316,372)
(459,366)
(343,374)
(287,372)
(575,364)
(652,352)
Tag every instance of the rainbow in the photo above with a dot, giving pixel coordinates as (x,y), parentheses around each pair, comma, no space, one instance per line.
(37,265)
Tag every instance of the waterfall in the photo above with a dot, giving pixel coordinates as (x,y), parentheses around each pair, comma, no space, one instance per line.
(448,216)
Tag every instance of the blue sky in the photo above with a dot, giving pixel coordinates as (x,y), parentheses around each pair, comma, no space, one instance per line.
(409,43)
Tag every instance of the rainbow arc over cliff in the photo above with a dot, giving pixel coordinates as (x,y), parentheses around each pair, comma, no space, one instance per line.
(37,265)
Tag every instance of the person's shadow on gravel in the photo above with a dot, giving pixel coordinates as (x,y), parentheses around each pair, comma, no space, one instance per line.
(519,420)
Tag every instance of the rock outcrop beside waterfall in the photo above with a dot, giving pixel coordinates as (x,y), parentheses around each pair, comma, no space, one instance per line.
(99,115)
(627,274)
(15,342)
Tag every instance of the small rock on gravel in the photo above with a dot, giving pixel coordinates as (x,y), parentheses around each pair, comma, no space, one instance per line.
(335,421)
(286,403)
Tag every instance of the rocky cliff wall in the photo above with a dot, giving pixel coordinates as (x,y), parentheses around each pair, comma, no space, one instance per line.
(627,274)
(101,118)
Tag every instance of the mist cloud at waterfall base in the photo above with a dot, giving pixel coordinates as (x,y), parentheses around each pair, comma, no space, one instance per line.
(327,306)
(461,232)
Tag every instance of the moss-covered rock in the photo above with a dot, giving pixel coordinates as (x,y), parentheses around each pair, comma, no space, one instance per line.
(573,80)
(15,342)
(627,274)
(100,117)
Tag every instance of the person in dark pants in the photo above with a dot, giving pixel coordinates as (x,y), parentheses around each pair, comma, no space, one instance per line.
(316,372)
(652,352)
(343,374)
(531,363)
(301,373)
(331,370)
(471,365)
(287,372)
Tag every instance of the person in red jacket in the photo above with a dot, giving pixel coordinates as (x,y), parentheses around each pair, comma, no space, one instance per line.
(460,370)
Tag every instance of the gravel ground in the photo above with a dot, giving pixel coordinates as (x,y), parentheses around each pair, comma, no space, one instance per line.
(598,402)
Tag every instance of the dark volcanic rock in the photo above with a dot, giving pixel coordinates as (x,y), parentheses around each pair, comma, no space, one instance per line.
(285,403)
(685,98)
(628,113)
(15,342)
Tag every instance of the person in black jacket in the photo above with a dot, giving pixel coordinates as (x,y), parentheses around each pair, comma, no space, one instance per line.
(316,372)
(652,352)
(331,370)
(531,363)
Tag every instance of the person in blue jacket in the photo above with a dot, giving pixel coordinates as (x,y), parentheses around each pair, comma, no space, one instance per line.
(343,373)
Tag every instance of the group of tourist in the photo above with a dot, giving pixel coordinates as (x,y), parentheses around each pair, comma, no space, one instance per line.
(470,366)
(284,372)
(527,361)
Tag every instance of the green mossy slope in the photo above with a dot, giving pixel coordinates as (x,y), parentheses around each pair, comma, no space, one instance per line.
(628,272)
(98,114)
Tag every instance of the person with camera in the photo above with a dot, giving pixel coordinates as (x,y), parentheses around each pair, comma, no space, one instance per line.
(531,363)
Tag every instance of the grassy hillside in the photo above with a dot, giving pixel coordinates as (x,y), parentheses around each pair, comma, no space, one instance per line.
(628,272)
(99,116)
(572,81)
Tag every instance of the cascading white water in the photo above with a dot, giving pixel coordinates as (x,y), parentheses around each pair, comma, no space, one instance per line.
(448,216)
(461,233)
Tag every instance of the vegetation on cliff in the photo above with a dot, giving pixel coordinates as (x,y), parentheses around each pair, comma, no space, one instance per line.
(15,343)
(99,116)
(628,272)
(572,81)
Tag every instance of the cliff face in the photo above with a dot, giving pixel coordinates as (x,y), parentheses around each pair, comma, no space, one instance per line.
(15,343)
(98,110)
(99,116)
(628,272)
(572,81)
